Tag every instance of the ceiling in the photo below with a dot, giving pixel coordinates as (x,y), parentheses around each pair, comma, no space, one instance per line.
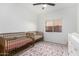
(38,9)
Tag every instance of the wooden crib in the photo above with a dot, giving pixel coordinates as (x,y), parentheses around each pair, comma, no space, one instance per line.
(11,43)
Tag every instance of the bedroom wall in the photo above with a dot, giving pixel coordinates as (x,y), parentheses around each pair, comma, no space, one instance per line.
(68,17)
(78,18)
(14,18)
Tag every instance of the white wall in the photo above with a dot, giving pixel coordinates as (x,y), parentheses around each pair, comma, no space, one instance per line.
(68,17)
(78,18)
(14,18)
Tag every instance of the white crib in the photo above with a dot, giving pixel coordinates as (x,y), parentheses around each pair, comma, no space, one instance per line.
(73,44)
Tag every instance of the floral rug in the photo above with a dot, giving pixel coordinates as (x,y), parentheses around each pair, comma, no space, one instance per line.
(46,49)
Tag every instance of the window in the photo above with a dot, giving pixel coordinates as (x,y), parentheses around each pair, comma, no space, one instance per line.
(53,26)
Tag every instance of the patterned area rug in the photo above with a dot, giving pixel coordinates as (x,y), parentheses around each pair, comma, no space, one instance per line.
(46,49)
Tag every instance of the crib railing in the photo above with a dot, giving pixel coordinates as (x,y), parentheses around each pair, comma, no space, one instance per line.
(6,38)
